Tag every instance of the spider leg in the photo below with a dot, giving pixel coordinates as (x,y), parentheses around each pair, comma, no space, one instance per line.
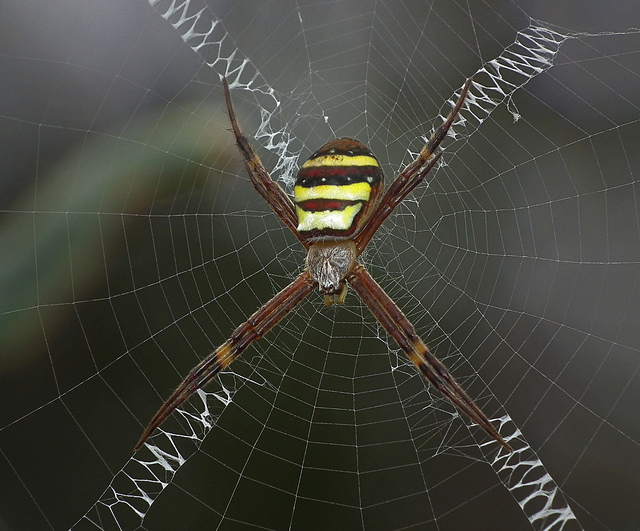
(254,328)
(398,326)
(270,190)
(412,175)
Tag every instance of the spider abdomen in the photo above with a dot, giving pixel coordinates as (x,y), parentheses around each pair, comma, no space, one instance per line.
(337,190)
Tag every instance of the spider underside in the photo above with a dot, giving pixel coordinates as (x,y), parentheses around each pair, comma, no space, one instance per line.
(338,206)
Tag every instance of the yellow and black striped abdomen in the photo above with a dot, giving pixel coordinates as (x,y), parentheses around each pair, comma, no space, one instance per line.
(337,190)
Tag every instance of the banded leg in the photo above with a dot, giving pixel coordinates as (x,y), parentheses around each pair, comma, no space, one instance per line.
(412,175)
(254,328)
(270,190)
(398,326)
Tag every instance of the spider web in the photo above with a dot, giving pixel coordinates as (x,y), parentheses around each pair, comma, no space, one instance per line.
(134,245)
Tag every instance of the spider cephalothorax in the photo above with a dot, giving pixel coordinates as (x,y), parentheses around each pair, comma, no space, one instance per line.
(337,207)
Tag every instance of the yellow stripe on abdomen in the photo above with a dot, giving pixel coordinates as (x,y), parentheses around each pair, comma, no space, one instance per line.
(338,220)
(345,192)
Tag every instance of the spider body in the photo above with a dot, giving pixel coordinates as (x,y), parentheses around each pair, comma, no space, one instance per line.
(338,206)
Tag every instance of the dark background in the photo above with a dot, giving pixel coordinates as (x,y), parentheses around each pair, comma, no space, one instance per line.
(128,229)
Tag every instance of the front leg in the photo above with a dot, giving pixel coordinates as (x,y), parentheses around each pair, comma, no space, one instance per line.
(270,190)
(413,174)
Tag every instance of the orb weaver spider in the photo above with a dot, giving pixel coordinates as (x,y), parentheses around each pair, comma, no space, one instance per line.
(337,207)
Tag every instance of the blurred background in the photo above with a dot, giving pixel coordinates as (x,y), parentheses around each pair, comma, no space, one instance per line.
(132,244)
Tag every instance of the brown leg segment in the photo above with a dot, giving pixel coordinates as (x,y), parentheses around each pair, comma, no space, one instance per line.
(398,326)
(254,328)
(270,190)
(412,175)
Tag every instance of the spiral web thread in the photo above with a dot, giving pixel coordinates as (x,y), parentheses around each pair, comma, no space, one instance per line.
(142,479)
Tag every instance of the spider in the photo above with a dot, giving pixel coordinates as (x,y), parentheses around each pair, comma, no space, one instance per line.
(338,206)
